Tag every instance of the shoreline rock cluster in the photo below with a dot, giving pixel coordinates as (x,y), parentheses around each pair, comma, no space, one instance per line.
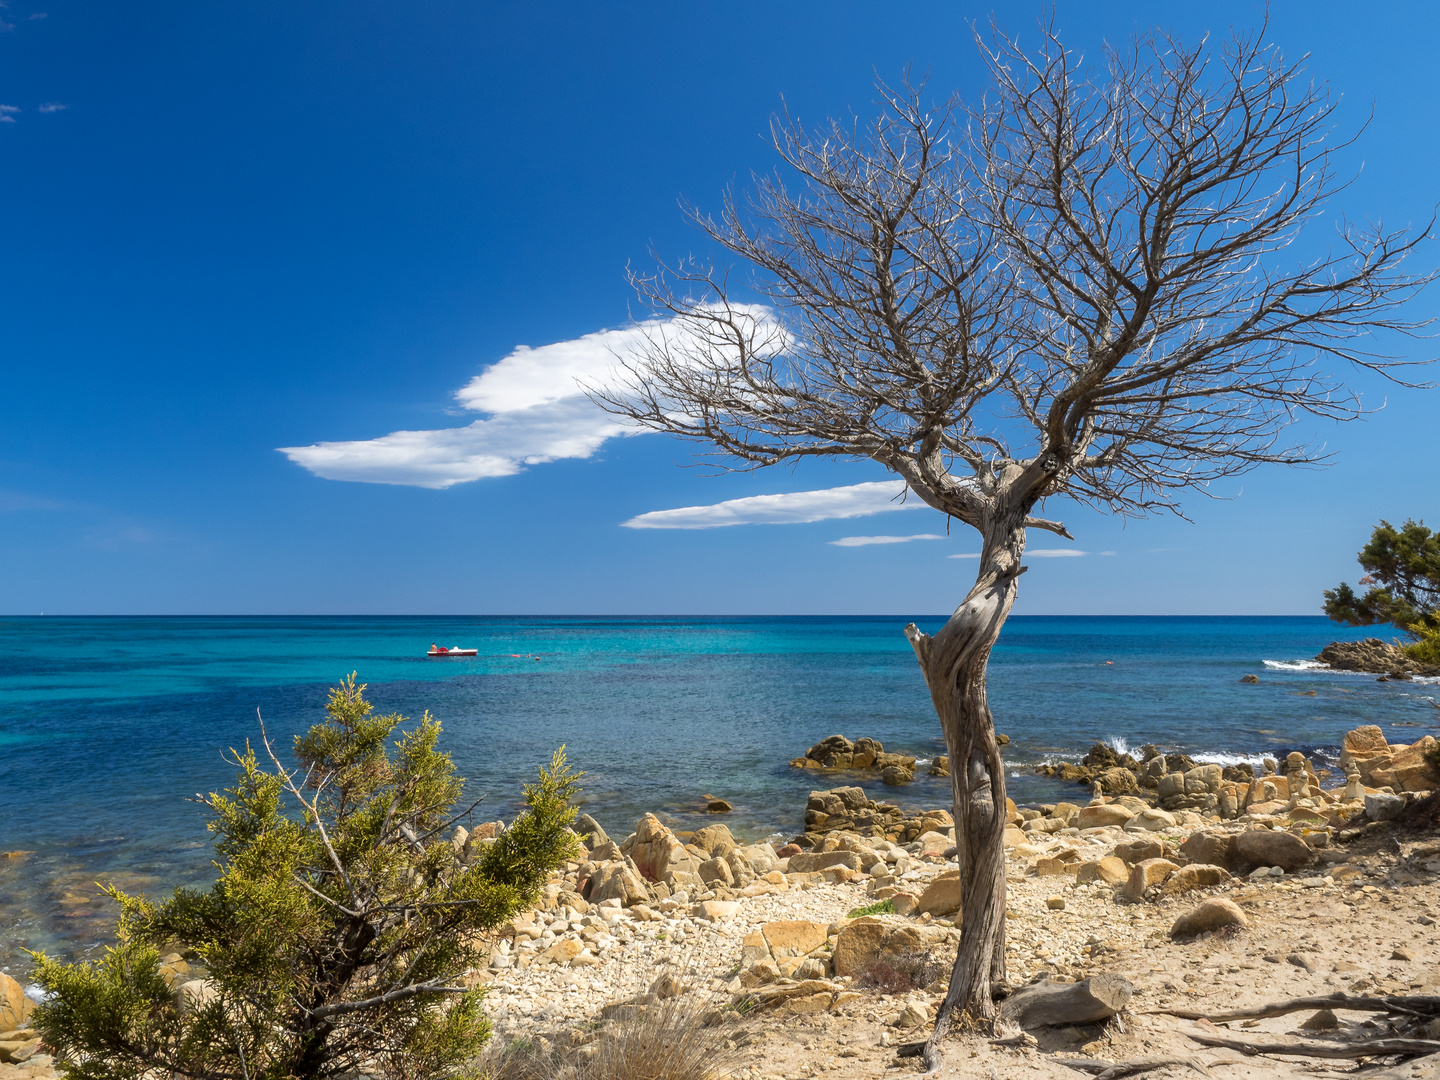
(863,755)
(1374,657)
(869,755)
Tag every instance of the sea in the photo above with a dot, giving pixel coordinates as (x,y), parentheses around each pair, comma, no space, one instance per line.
(110,728)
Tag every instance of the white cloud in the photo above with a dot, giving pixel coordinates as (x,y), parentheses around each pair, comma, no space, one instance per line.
(866,541)
(537,408)
(6,113)
(797,507)
(52,107)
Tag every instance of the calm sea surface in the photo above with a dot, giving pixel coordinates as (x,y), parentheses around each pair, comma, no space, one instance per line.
(109,725)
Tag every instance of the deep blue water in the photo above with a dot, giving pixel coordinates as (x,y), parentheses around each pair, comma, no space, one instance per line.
(109,725)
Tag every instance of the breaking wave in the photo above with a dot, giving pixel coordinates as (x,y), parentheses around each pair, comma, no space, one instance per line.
(1296,665)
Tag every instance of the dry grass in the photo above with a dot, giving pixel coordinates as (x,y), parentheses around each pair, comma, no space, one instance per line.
(903,972)
(677,1039)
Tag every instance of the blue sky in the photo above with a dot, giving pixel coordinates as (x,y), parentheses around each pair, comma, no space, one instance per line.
(234,228)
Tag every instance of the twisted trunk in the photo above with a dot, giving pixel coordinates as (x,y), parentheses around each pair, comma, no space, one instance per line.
(954,663)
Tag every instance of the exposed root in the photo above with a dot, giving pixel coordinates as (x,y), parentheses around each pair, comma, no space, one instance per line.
(1105,1070)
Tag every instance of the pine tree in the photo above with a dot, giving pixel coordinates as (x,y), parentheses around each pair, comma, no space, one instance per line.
(340,931)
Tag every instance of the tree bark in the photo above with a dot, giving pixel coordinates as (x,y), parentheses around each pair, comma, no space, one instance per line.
(954,662)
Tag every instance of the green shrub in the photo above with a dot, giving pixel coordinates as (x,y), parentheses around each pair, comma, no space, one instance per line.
(884,907)
(339,933)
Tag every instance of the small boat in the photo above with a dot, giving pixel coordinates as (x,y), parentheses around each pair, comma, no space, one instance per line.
(454,650)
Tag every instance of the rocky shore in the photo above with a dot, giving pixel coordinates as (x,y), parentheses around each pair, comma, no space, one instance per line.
(1374,657)
(1189,883)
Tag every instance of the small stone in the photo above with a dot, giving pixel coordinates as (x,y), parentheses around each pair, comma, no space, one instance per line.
(1055,903)
(1324,1020)
(718,806)
(1401,954)
(1300,962)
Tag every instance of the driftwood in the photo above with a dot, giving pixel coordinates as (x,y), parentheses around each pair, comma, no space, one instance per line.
(1312,1048)
(916,1049)
(1412,1006)
(1052,1003)
(1106,1070)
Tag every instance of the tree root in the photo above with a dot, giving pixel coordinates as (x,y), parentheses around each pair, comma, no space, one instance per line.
(1313,1048)
(1106,1070)
(1413,1006)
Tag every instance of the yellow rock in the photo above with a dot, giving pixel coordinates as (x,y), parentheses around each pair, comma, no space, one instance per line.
(1110,870)
(15,1007)
(791,937)
(941,896)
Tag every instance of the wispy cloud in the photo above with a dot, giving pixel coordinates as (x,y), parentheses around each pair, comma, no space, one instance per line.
(38,15)
(7,113)
(796,507)
(1041,553)
(866,541)
(52,107)
(537,408)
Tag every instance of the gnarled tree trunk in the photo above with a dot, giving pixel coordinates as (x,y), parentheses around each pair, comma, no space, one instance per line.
(954,663)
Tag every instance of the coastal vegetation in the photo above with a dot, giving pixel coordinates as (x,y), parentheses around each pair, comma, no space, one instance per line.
(1070,290)
(1402,570)
(348,913)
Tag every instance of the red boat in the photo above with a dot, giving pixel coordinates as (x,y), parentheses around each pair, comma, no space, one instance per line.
(454,650)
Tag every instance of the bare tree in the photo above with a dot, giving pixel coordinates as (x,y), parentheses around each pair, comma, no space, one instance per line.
(1073,289)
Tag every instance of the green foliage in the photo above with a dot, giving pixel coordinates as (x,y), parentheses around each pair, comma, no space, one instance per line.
(340,931)
(884,907)
(1427,649)
(1402,568)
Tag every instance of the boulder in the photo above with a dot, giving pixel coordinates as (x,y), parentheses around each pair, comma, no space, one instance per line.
(1109,870)
(813,862)
(1170,786)
(715,840)
(1210,846)
(616,881)
(1214,914)
(942,896)
(716,872)
(714,910)
(717,806)
(857,946)
(1268,847)
(1382,807)
(1203,780)
(15,1007)
(1412,768)
(1150,820)
(1192,877)
(896,774)
(760,857)
(589,831)
(1117,781)
(1145,875)
(1091,817)
(657,853)
(792,938)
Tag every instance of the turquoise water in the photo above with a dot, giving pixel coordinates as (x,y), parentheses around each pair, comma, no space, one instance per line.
(109,725)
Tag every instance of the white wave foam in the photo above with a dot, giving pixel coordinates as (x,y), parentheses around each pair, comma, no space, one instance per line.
(922,761)
(1296,665)
(1212,758)
(1119,745)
